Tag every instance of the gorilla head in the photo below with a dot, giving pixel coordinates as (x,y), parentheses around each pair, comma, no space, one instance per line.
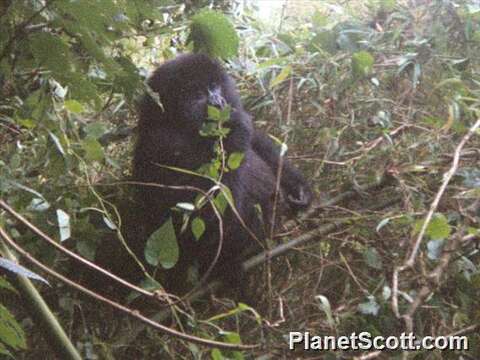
(186,86)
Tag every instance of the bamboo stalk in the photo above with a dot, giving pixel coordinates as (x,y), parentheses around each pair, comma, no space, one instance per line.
(41,314)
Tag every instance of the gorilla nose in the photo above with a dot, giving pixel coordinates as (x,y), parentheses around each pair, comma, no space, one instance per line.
(215,98)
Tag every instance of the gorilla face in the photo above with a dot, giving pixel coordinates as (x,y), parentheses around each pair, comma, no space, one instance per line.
(183,94)
(193,106)
(186,86)
(215,97)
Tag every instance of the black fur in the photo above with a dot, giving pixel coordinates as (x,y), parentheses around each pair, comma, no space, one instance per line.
(170,136)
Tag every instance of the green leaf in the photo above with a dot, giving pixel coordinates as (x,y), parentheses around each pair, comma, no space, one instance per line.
(198,227)
(95,130)
(90,14)
(239,309)
(127,79)
(245,307)
(74,106)
(269,63)
(4,351)
(80,87)
(362,64)
(281,77)
(473,231)
(162,246)
(216,355)
(351,35)
(11,333)
(93,149)
(235,160)
(208,129)
(325,40)
(28,123)
(289,40)
(372,258)
(51,52)
(213,113)
(87,249)
(212,33)
(222,200)
(319,19)
(150,284)
(437,229)
(387,5)
(225,114)
(212,169)
(147,284)
(232,337)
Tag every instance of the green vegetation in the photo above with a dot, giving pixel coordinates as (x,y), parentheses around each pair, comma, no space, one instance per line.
(374,99)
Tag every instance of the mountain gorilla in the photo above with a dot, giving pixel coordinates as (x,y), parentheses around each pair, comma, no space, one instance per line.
(168,136)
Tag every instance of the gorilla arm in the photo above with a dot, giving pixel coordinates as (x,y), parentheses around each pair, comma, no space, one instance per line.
(297,191)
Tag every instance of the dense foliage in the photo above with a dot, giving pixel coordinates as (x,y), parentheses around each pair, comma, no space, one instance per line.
(372,99)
